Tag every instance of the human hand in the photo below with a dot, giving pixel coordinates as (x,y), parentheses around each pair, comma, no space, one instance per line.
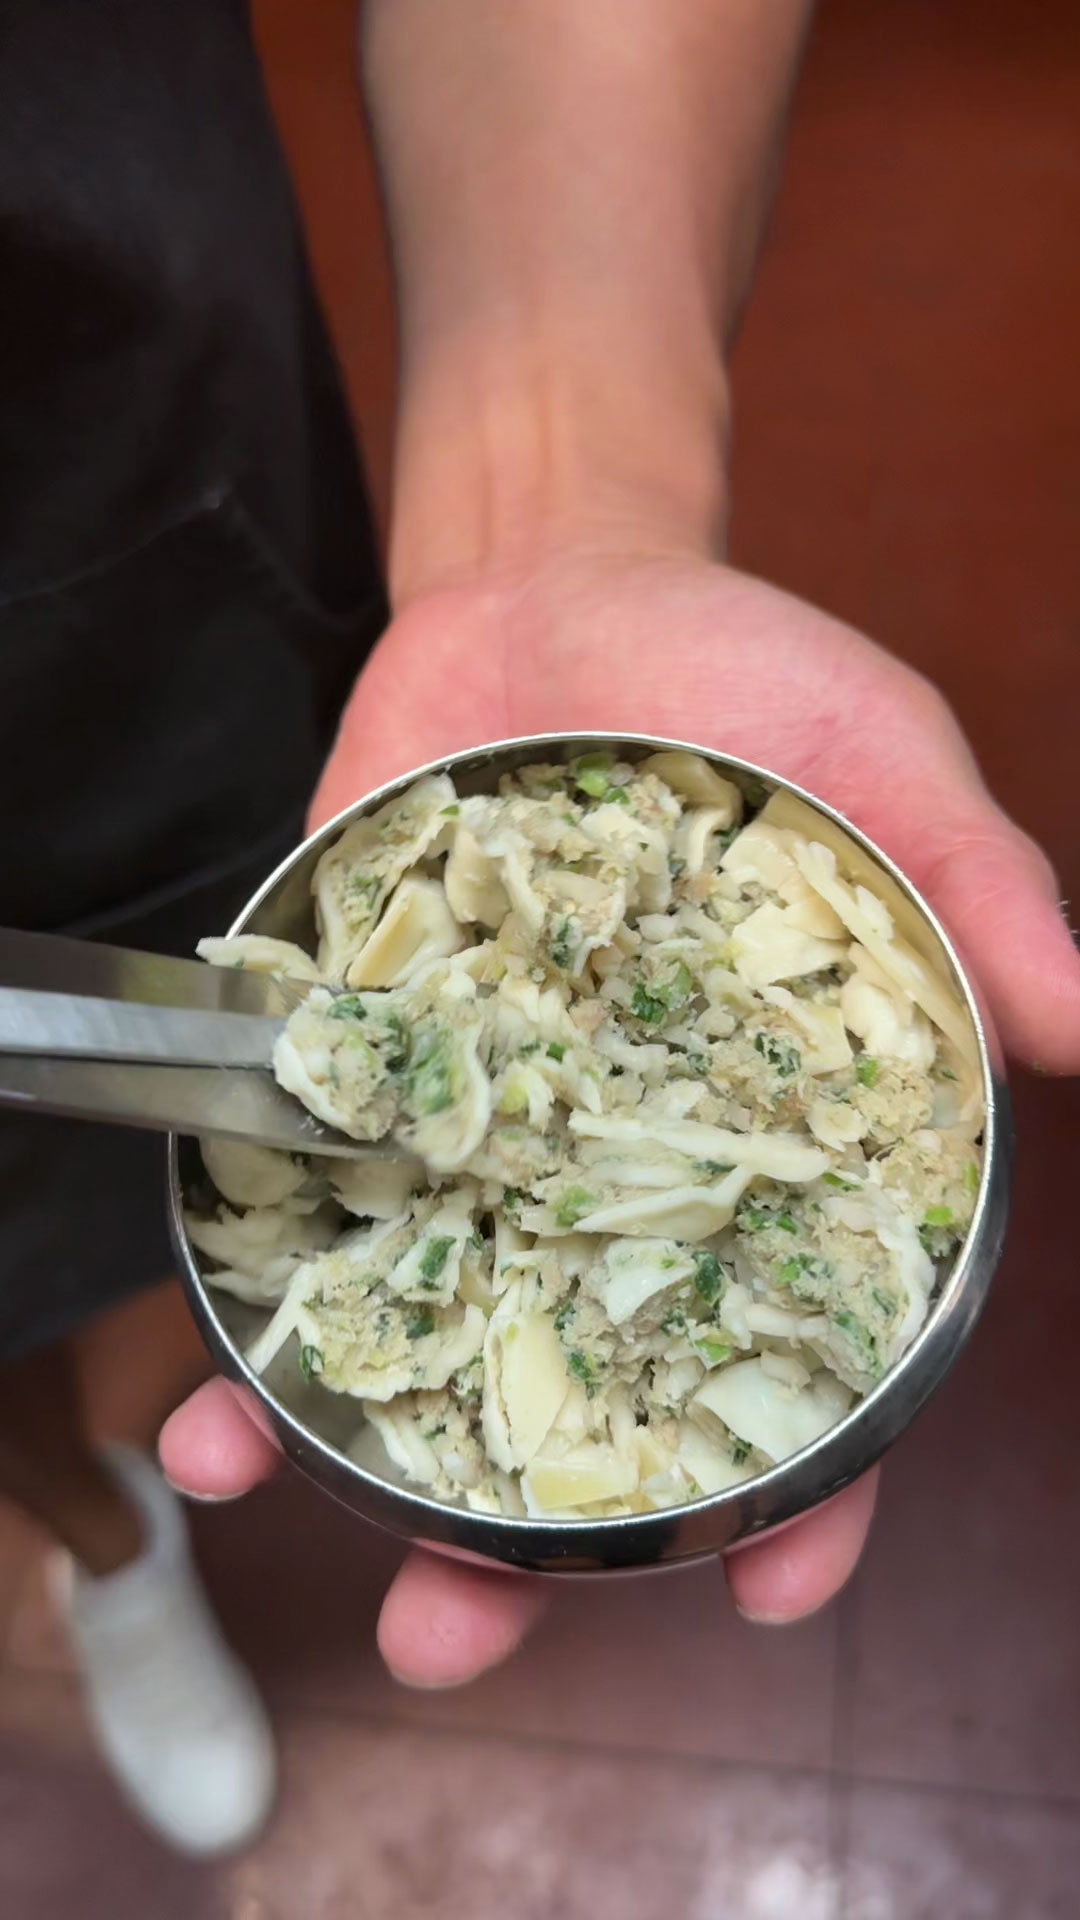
(675,646)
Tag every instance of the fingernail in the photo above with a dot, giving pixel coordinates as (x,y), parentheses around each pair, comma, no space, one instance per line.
(202,1499)
(423,1686)
(765,1619)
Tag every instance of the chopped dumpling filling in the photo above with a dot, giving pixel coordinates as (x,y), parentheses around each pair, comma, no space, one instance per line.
(681,1133)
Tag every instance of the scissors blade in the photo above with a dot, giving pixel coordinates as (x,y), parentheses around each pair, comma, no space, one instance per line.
(53,963)
(232,1105)
(67,1024)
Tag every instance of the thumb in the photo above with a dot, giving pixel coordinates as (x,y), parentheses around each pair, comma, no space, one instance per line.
(998,895)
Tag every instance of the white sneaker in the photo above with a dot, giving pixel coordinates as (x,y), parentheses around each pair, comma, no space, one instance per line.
(177,1716)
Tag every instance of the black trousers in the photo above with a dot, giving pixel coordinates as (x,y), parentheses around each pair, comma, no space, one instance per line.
(188,581)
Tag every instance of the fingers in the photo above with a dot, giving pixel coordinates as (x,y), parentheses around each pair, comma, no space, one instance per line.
(997,893)
(443,1623)
(791,1573)
(216,1445)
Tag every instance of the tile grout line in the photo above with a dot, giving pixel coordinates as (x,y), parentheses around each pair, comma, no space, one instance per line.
(847,1676)
(311,1711)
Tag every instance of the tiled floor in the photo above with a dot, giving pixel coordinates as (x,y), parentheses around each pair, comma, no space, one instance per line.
(907,455)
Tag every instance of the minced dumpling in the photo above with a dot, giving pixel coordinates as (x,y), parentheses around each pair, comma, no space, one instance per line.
(680,1136)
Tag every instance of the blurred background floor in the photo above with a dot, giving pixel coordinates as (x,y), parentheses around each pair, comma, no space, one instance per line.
(907,455)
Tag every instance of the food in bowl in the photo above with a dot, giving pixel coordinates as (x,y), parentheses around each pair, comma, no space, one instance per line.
(675,1132)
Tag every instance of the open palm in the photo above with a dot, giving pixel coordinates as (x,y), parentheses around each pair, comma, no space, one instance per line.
(689,650)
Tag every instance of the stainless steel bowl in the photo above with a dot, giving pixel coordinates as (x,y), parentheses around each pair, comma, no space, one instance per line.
(315,1426)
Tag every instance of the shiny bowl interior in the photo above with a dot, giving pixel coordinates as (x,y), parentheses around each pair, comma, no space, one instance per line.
(316,1427)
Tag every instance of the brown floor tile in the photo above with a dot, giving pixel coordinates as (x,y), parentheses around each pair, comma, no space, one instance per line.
(966,1665)
(70,1848)
(659,1664)
(923,1856)
(378,1821)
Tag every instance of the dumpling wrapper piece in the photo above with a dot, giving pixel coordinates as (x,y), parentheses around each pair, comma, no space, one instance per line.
(258,953)
(434,1357)
(376,1188)
(473,888)
(356,875)
(888,1023)
(525,1382)
(797,819)
(399,1430)
(824,1045)
(768,946)
(693,833)
(637,1270)
(448,1096)
(776,1156)
(416,927)
(871,923)
(587,1473)
(766,1415)
(762,854)
(250,1176)
(710,1464)
(685,1213)
(261,1249)
(431,1267)
(692,777)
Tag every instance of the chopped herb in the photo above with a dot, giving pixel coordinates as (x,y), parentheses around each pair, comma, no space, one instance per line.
(861,1336)
(365,887)
(836,1180)
(885,1301)
(868,1071)
(347,1006)
(938,1217)
(972,1177)
(563,943)
(806,1265)
(759,1219)
(942,1072)
(556,1050)
(713,1352)
(617,796)
(477,1241)
(564,1315)
(398,1056)
(647,1006)
(583,1366)
(435,1256)
(784,1058)
(311,1362)
(740,1450)
(530,1047)
(451,812)
(512,1199)
(434,1433)
(592,774)
(674,1322)
(709,1276)
(712,1167)
(421,1323)
(429,1081)
(574,1205)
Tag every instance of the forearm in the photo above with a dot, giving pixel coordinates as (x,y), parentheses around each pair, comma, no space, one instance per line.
(575,189)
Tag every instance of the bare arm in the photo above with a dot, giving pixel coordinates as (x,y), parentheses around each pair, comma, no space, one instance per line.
(575,193)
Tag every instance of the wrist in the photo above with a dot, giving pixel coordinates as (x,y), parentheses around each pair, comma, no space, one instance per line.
(511,452)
